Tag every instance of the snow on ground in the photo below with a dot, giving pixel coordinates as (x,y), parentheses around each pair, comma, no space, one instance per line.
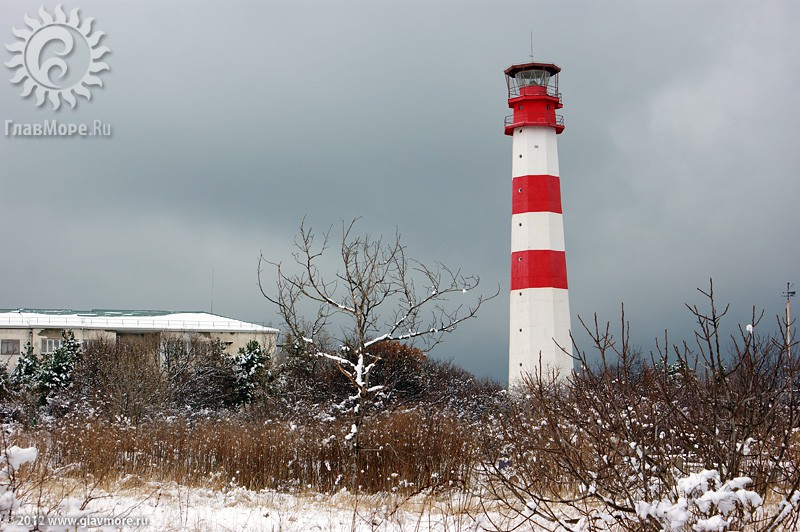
(79,502)
(170,507)
(144,506)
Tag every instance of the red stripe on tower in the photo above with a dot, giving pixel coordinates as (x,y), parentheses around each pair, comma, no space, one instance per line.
(536,193)
(538,268)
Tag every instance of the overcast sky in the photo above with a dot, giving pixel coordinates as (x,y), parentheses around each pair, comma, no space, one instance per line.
(234,120)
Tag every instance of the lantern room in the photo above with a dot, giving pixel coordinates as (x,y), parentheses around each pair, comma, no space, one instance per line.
(533,96)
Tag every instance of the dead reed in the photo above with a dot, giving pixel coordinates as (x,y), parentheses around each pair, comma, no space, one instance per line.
(403,451)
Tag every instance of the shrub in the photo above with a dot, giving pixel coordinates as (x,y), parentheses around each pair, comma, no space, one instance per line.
(199,373)
(618,442)
(56,368)
(26,368)
(401,370)
(250,371)
(123,378)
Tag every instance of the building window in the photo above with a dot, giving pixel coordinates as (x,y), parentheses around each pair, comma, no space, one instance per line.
(50,344)
(89,344)
(9,347)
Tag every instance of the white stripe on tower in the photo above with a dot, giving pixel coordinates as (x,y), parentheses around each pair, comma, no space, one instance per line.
(539,309)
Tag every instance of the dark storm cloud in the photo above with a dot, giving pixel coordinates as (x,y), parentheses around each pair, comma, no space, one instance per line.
(232,121)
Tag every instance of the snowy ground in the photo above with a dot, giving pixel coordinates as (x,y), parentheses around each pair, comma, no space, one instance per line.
(135,505)
(171,507)
(59,501)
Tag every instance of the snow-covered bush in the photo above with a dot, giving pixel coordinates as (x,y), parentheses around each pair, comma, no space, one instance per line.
(704,503)
(250,370)
(5,383)
(25,370)
(11,459)
(56,368)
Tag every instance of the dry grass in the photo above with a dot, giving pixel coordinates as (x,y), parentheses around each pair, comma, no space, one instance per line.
(404,451)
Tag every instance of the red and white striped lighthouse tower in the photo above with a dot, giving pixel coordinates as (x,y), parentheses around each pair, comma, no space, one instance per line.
(539,339)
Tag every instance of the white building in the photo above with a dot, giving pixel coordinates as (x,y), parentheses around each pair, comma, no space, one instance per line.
(43,328)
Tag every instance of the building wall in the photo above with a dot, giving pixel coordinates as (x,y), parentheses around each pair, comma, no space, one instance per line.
(236,340)
(36,335)
(232,340)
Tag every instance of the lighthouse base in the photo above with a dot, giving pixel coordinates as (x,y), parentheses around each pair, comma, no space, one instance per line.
(539,339)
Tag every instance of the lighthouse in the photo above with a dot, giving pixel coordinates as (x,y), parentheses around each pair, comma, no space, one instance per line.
(539,341)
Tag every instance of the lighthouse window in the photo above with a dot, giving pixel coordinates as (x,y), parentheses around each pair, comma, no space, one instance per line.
(520,330)
(520,224)
(520,156)
(519,190)
(519,259)
(520,107)
(548,106)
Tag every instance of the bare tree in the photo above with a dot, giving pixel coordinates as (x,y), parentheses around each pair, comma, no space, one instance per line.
(377,295)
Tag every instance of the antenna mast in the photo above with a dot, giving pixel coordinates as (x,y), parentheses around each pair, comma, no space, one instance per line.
(789,293)
(212,290)
(531,46)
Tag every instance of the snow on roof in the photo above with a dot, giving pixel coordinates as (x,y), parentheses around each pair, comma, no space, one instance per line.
(142,320)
